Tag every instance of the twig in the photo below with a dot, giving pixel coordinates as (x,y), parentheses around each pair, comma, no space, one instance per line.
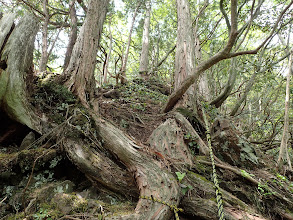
(3,200)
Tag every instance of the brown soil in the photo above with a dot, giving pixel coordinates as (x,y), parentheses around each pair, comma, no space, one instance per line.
(136,123)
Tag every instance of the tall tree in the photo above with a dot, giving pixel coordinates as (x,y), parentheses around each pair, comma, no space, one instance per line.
(125,56)
(226,52)
(44,57)
(283,154)
(73,33)
(108,55)
(144,58)
(203,88)
(184,56)
(82,64)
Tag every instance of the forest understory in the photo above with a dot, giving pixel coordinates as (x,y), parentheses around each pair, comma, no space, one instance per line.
(40,182)
(174,138)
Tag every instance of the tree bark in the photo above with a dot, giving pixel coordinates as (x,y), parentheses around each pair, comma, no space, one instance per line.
(144,57)
(184,56)
(44,57)
(283,154)
(82,64)
(105,71)
(17,46)
(125,57)
(225,53)
(73,34)
(202,85)
(152,178)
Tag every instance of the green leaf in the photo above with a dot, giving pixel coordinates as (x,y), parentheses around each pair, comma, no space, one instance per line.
(180,176)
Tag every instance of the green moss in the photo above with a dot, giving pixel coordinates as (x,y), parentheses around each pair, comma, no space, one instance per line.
(16,216)
(140,93)
(118,209)
(197,176)
(201,167)
(55,100)
(214,199)
(47,210)
(58,93)
(6,157)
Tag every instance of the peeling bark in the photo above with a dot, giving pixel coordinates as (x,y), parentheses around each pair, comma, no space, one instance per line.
(83,60)
(100,169)
(152,179)
(168,140)
(184,56)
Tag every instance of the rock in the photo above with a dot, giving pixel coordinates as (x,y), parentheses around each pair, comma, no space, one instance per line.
(230,147)
(47,192)
(27,141)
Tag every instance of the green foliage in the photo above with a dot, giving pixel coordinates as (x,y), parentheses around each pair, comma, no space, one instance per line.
(55,161)
(47,211)
(180,176)
(246,174)
(139,94)
(264,190)
(57,93)
(184,188)
(42,215)
(248,153)
(42,178)
(8,191)
(54,99)
(191,142)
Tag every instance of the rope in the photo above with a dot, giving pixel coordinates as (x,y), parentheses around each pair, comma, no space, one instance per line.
(215,178)
(173,208)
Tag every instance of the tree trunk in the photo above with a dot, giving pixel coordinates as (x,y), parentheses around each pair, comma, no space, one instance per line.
(247,90)
(16,73)
(82,64)
(125,57)
(105,71)
(144,58)
(218,101)
(155,68)
(283,154)
(202,85)
(184,56)
(152,178)
(73,34)
(44,57)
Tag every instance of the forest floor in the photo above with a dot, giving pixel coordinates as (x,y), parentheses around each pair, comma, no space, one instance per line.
(38,174)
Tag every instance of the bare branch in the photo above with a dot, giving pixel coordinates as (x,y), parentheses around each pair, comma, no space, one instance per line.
(33,8)
(225,15)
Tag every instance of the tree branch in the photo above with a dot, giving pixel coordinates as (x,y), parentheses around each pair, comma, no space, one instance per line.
(225,15)
(221,55)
